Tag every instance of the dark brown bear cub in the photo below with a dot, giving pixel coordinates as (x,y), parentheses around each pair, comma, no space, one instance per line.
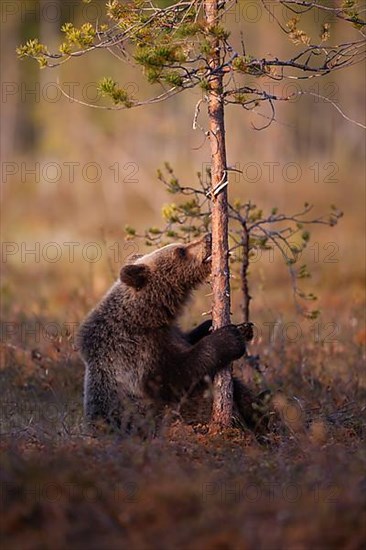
(137,359)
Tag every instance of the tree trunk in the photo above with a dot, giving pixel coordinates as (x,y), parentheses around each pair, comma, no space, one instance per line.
(223,388)
(244,274)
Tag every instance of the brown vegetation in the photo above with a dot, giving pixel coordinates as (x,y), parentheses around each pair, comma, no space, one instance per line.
(302,486)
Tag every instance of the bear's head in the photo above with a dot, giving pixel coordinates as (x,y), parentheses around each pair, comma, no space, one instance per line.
(164,278)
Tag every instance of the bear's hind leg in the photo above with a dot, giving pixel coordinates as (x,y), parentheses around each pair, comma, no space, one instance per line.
(250,408)
(101,403)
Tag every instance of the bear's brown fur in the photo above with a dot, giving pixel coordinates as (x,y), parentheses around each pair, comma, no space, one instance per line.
(138,361)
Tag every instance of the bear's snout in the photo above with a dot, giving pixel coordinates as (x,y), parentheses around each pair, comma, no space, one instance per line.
(208,245)
(200,249)
(208,240)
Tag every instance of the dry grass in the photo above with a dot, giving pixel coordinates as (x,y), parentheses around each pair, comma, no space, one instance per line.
(302,487)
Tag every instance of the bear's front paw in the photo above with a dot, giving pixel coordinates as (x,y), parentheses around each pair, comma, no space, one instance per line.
(232,342)
(246,330)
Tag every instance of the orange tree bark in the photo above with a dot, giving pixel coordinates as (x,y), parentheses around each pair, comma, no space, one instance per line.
(223,389)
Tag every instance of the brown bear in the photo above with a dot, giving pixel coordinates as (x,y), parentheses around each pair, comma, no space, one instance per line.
(138,361)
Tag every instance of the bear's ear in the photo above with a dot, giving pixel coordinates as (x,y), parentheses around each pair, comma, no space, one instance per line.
(135,275)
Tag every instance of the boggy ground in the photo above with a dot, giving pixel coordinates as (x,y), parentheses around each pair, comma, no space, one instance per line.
(302,486)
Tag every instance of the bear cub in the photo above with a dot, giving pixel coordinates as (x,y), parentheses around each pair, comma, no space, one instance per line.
(138,361)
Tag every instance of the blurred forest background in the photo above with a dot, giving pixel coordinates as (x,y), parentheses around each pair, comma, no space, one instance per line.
(77,174)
